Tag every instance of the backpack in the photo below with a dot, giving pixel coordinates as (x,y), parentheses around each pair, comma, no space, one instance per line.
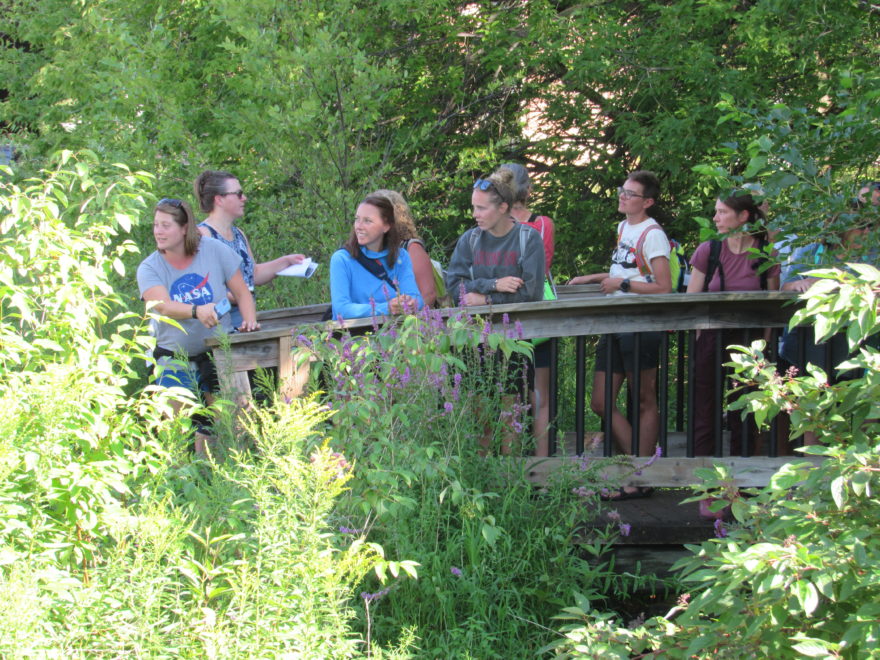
(715,265)
(679,267)
(443,298)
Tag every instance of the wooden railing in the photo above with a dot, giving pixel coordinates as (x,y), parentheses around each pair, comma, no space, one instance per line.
(579,312)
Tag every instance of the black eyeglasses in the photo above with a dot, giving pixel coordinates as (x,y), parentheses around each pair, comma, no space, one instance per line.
(483,184)
(237,193)
(176,203)
(629,194)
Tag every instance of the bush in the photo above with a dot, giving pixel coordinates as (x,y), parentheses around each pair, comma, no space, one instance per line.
(111,541)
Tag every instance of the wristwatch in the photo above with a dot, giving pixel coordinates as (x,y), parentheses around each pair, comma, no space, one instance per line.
(195,309)
(624,285)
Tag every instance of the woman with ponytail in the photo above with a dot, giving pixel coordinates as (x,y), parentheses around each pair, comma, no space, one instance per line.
(221,196)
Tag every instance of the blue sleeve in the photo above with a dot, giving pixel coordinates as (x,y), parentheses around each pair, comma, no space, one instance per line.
(406,278)
(801,260)
(349,300)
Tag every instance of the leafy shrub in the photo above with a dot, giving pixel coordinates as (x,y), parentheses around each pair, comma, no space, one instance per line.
(497,556)
(111,541)
(797,574)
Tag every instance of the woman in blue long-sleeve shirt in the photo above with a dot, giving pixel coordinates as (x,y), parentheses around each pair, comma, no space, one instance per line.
(370,274)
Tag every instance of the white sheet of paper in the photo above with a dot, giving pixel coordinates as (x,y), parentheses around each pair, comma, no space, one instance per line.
(305,269)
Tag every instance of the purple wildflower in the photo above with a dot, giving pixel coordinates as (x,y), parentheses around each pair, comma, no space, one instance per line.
(720,529)
(658,452)
(448,407)
(370,597)
(583,491)
(455,571)
(456,381)
(349,530)
(484,335)
(614,516)
(584,462)
(406,377)
(519,329)
(302,340)
(625,529)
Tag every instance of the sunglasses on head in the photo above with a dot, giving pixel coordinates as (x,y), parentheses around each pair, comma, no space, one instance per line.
(483,184)
(237,193)
(176,203)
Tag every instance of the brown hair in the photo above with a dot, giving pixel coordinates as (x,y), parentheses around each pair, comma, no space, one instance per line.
(741,200)
(391,241)
(523,183)
(650,183)
(209,184)
(406,225)
(183,216)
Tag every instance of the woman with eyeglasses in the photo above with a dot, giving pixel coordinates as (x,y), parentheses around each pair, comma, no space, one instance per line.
(187,277)
(371,275)
(221,196)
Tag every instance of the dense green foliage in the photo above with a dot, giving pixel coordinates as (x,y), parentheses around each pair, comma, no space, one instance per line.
(314,103)
(497,558)
(111,541)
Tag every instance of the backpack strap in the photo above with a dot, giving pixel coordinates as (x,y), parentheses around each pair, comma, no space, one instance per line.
(375,268)
(714,264)
(472,240)
(762,243)
(644,268)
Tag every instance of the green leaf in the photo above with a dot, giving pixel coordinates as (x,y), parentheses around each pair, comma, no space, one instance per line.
(755,166)
(838,491)
(807,596)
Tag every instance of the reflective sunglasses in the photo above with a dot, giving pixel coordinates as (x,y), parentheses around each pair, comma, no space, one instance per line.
(237,193)
(483,184)
(170,201)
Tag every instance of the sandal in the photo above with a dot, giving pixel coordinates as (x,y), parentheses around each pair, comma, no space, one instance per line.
(623,494)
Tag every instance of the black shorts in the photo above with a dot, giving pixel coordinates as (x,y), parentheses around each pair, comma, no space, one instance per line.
(623,353)
(542,355)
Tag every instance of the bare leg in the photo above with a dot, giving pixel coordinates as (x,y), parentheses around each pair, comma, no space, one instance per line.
(649,413)
(541,408)
(621,430)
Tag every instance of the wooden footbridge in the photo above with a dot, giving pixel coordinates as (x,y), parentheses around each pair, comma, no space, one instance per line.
(580,312)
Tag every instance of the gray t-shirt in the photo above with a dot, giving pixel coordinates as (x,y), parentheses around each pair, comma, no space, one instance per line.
(204,281)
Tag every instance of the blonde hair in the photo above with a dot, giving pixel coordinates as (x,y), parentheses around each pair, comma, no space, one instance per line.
(406,225)
(503,189)
(523,183)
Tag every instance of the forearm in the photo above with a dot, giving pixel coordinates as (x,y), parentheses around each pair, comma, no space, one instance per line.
(647,287)
(593,278)
(178,311)
(266,271)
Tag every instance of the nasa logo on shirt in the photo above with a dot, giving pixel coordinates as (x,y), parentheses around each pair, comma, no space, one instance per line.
(192,289)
